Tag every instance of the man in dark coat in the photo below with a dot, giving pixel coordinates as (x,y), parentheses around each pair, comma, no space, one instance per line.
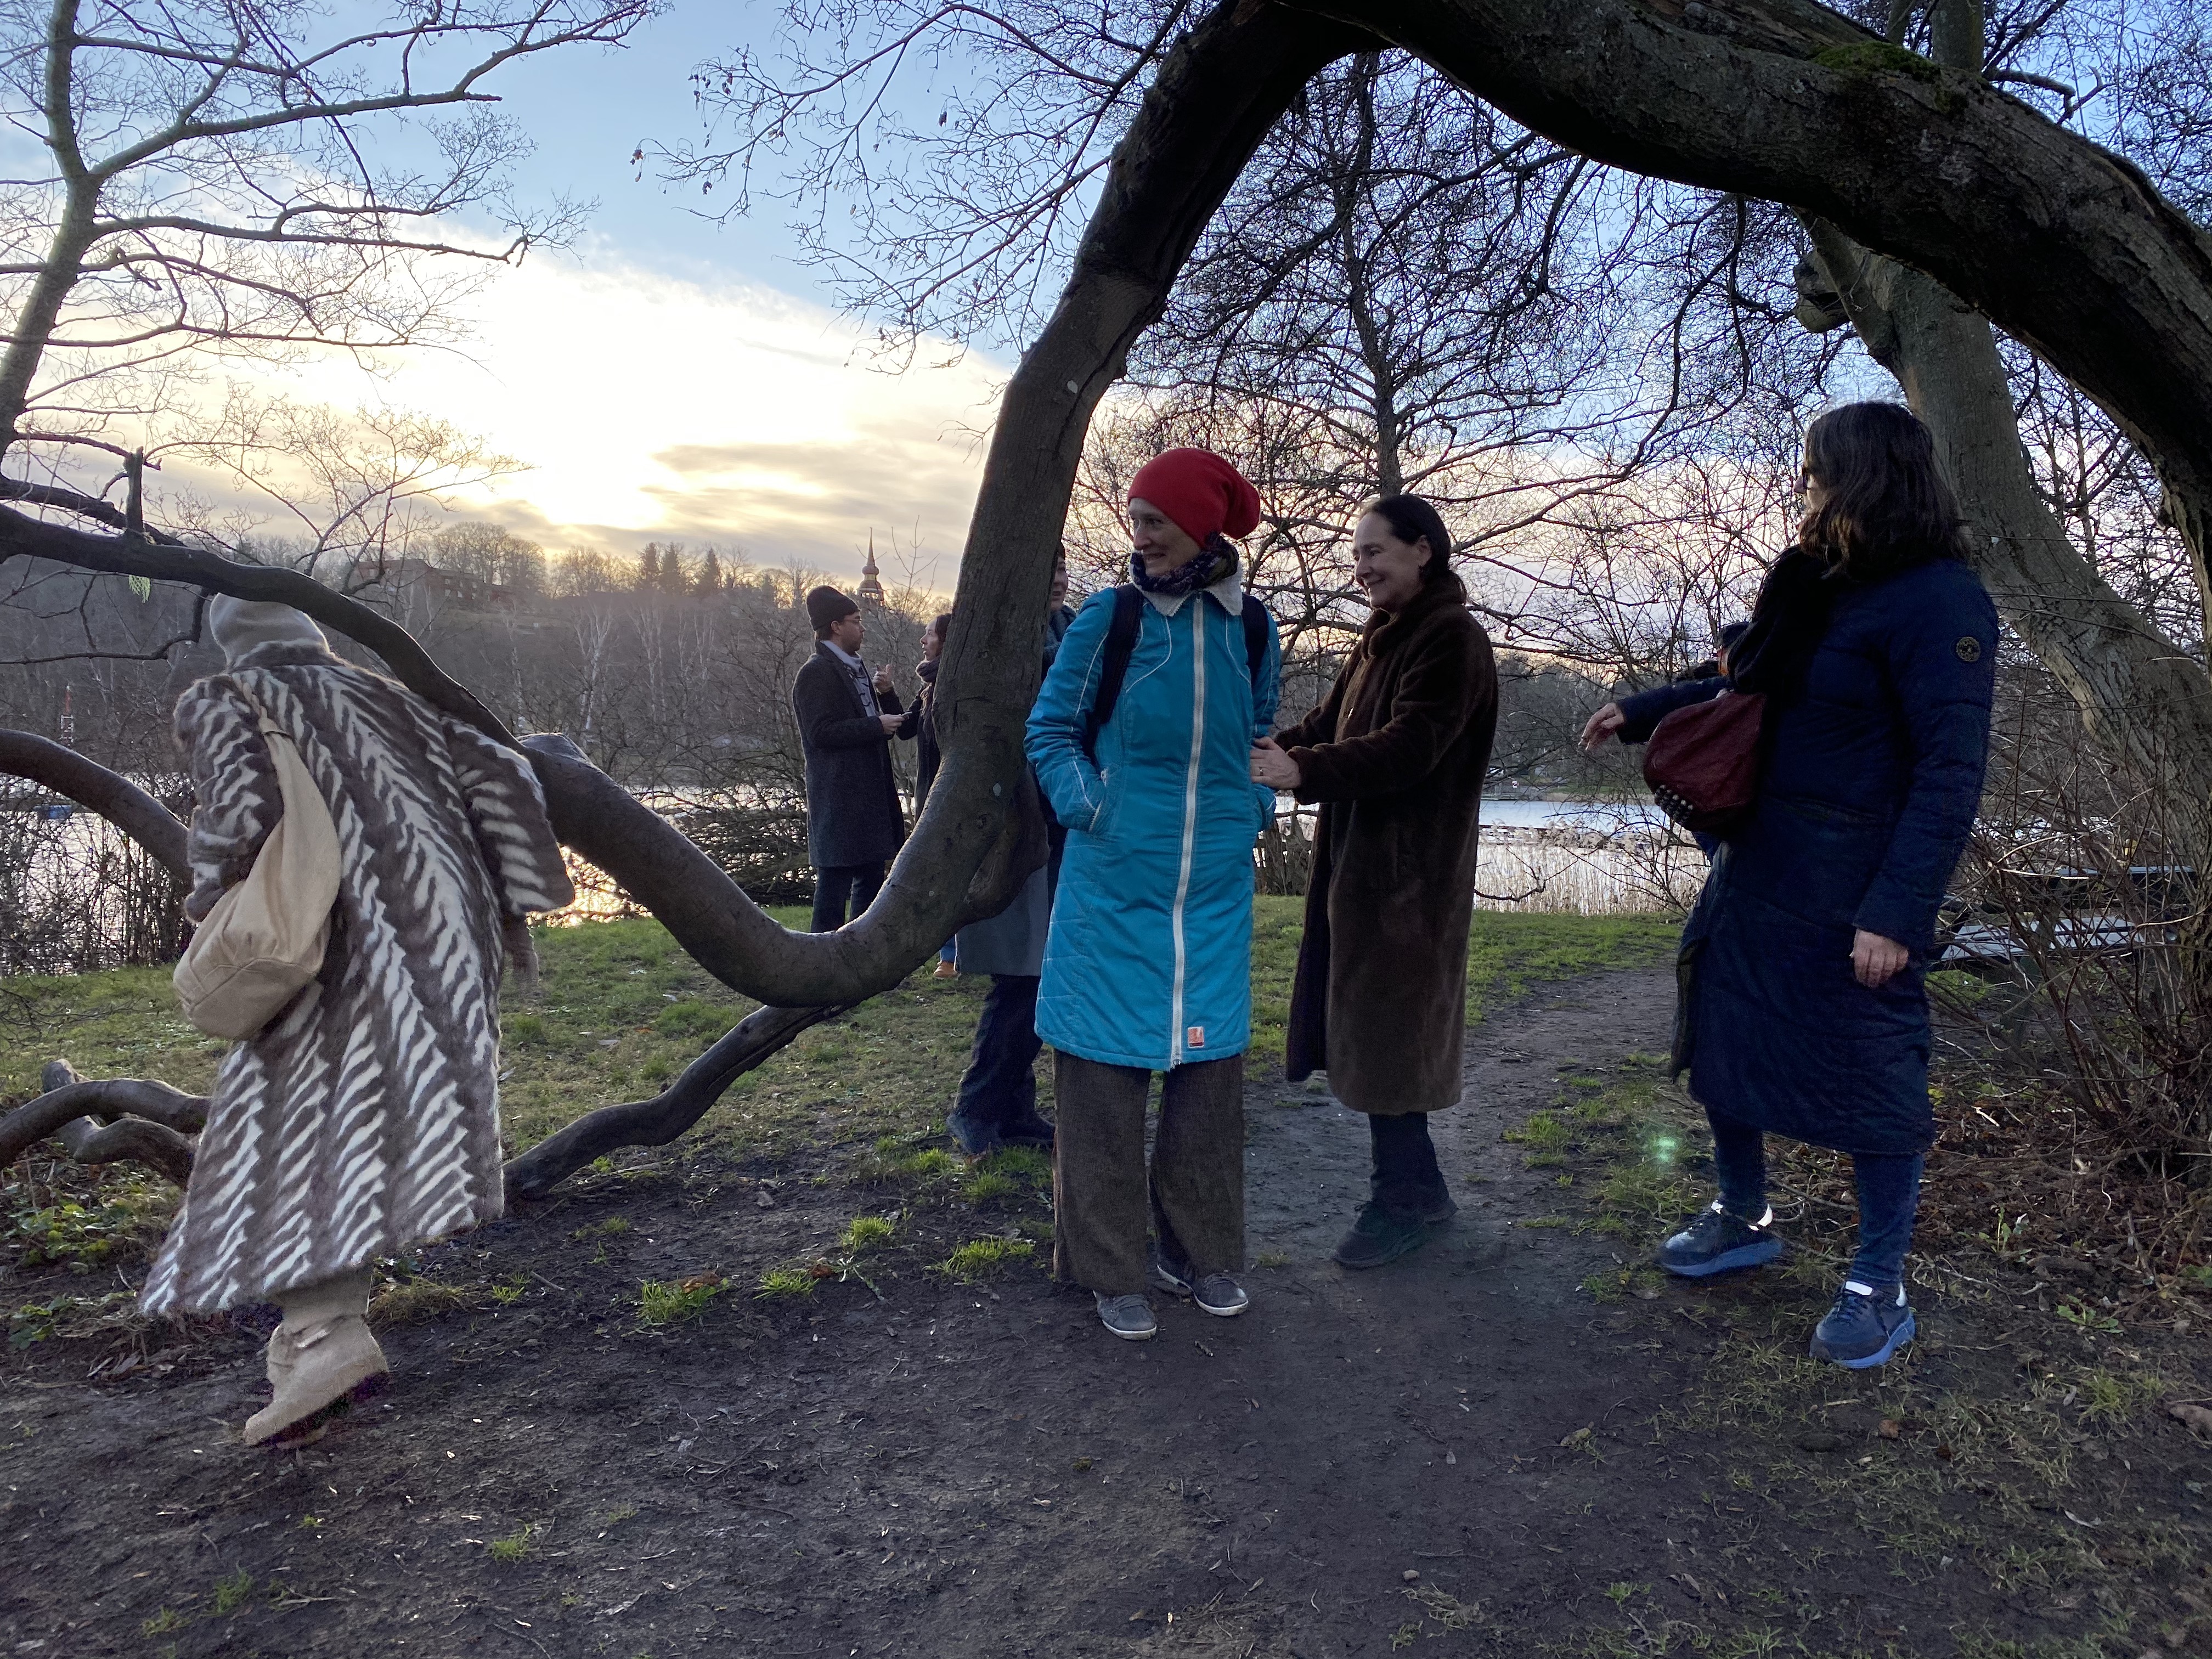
(1396,756)
(847,721)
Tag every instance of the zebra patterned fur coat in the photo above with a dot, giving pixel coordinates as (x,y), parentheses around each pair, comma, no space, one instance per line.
(365,1117)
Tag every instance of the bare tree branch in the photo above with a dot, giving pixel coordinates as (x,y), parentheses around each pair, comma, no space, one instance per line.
(657,1122)
(91,785)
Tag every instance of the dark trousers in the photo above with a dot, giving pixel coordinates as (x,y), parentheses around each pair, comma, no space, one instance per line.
(1103,1193)
(1888,1189)
(1407,1179)
(998,1089)
(835,884)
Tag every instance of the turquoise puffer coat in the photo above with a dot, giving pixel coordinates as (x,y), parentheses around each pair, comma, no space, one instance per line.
(1149,961)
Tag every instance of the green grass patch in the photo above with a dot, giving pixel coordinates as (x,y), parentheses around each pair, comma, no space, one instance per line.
(512,1548)
(979,1256)
(864,1233)
(671,1302)
(624,1008)
(778,1284)
(232,1593)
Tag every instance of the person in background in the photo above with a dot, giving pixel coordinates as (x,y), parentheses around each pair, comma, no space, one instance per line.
(1394,756)
(1058,617)
(848,719)
(1803,1008)
(1148,966)
(921,725)
(363,1119)
(997,1103)
(1633,719)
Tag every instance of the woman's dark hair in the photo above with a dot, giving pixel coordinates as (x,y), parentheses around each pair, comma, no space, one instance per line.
(1729,634)
(940,623)
(1889,506)
(1411,519)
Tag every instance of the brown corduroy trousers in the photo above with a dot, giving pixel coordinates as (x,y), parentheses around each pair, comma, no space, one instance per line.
(1194,1195)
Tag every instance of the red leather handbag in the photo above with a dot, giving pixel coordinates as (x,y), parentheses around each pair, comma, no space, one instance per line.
(1703,762)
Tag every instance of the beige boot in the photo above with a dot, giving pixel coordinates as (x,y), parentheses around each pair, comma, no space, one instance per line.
(320,1355)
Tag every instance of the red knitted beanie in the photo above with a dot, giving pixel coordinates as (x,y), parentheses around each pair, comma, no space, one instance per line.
(1199,491)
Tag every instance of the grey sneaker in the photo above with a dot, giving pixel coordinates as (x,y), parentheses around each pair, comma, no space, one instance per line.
(1215,1293)
(1220,1295)
(1129,1317)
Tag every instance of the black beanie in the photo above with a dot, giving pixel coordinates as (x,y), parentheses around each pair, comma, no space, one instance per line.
(825,605)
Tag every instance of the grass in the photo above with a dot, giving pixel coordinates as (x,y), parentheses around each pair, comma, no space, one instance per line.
(1957,1467)
(670,1302)
(979,1256)
(624,1007)
(514,1547)
(786,1282)
(232,1593)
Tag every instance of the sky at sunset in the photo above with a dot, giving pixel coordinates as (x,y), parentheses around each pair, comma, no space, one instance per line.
(670,378)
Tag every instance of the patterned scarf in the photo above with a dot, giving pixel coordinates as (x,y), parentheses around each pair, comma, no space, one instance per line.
(1215,561)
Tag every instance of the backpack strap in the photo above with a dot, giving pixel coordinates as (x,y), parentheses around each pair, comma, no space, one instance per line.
(1121,645)
(1114,666)
(1255,638)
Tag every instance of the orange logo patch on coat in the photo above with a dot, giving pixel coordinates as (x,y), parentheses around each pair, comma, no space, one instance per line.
(1194,1038)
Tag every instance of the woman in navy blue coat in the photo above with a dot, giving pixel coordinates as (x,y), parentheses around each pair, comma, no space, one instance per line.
(1803,1012)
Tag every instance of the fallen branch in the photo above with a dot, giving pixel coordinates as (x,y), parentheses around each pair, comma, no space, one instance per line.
(68,1098)
(130,1139)
(657,1122)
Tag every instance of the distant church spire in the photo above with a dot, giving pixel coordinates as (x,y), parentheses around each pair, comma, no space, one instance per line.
(872,589)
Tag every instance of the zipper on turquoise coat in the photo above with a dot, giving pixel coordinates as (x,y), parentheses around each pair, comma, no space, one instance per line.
(1189,810)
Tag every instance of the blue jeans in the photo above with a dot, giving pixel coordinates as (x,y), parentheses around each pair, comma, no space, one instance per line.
(944,952)
(999,1089)
(1888,1187)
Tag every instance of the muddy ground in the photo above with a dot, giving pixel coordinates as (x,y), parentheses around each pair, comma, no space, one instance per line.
(1513,1443)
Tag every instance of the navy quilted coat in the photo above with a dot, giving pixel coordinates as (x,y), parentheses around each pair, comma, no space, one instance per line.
(1864,808)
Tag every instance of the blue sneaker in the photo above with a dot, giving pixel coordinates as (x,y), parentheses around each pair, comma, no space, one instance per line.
(1865,1327)
(1718,1242)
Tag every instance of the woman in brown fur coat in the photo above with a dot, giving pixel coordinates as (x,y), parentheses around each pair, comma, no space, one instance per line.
(1395,756)
(364,1117)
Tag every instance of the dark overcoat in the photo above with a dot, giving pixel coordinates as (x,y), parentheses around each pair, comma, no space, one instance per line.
(1869,794)
(852,812)
(1394,756)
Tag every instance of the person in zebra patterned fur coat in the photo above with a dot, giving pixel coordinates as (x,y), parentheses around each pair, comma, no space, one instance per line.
(364,1118)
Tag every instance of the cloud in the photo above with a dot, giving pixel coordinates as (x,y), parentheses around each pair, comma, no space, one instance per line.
(652,408)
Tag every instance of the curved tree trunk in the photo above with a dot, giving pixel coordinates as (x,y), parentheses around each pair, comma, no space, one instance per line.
(91,785)
(2147,703)
(1217,94)
(2067,247)
(657,1122)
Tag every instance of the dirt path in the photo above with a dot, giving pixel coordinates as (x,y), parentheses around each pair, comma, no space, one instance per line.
(981,1471)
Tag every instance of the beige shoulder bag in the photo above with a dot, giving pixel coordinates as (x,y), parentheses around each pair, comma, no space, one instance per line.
(264,941)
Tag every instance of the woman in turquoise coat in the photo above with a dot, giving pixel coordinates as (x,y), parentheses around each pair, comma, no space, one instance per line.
(1147,967)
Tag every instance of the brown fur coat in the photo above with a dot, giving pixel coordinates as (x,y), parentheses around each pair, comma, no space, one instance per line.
(1396,756)
(364,1118)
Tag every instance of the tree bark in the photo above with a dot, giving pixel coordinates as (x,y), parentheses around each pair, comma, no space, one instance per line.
(2068,247)
(67,1098)
(657,1122)
(2141,697)
(91,785)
